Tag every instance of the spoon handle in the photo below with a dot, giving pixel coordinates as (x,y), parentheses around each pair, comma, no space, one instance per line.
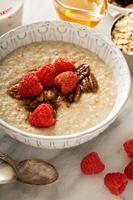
(8,160)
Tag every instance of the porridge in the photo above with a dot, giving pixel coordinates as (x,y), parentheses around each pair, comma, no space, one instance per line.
(88,111)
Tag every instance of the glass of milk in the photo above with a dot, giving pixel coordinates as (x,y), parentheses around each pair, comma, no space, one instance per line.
(10,14)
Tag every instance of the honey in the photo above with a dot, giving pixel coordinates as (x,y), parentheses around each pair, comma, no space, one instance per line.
(87,12)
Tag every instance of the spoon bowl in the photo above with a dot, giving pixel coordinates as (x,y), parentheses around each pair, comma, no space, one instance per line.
(7,174)
(30,171)
(36,172)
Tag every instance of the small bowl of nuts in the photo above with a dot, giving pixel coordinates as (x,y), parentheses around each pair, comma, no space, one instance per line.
(122,36)
(120,5)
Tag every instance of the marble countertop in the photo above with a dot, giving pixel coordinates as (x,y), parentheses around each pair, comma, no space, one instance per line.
(71,184)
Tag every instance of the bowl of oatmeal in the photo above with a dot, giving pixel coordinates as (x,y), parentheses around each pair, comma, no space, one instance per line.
(91,86)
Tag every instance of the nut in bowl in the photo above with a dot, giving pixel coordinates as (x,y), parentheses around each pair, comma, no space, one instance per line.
(121,5)
(87,74)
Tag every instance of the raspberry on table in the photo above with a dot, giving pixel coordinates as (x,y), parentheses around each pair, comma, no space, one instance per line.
(92,164)
(66,81)
(129,170)
(116,182)
(43,116)
(62,65)
(46,75)
(30,85)
(128,147)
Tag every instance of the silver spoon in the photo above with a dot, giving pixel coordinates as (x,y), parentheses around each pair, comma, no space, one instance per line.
(7,174)
(30,171)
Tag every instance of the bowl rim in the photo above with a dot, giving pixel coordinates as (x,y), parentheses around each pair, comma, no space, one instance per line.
(120,9)
(88,131)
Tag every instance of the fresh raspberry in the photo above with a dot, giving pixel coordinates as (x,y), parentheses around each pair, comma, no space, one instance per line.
(42,116)
(128,146)
(63,65)
(46,75)
(129,170)
(30,85)
(66,82)
(116,182)
(91,164)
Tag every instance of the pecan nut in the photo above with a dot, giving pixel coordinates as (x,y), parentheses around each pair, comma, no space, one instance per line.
(50,95)
(41,97)
(86,85)
(83,71)
(89,84)
(94,83)
(13,91)
(75,96)
(33,105)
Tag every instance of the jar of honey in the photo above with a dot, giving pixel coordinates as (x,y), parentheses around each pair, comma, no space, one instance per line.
(87,12)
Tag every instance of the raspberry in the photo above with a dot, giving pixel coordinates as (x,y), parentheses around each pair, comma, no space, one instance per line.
(42,116)
(47,75)
(63,65)
(91,164)
(128,146)
(66,82)
(129,170)
(30,85)
(116,182)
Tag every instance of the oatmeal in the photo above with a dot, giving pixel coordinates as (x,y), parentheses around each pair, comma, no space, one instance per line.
(88,111)
(122,33)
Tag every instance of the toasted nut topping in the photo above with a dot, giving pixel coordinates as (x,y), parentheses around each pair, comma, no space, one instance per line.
(94,84)
(50,95)
(13,92)
(83,71)
(89,84)
(74,97)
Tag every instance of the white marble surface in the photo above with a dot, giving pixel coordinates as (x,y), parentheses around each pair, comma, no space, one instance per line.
(72,184)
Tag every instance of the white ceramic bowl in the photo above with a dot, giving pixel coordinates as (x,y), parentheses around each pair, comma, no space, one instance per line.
(86,38)
(115,10)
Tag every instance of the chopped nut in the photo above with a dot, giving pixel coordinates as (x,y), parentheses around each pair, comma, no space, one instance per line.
(94,83)
(50,95)
(71,98)
(83,71)
(41,97)
(86,85)
(33,105)
(89,84)
(13,92)
(57,102)
(75,96)
(27,101)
